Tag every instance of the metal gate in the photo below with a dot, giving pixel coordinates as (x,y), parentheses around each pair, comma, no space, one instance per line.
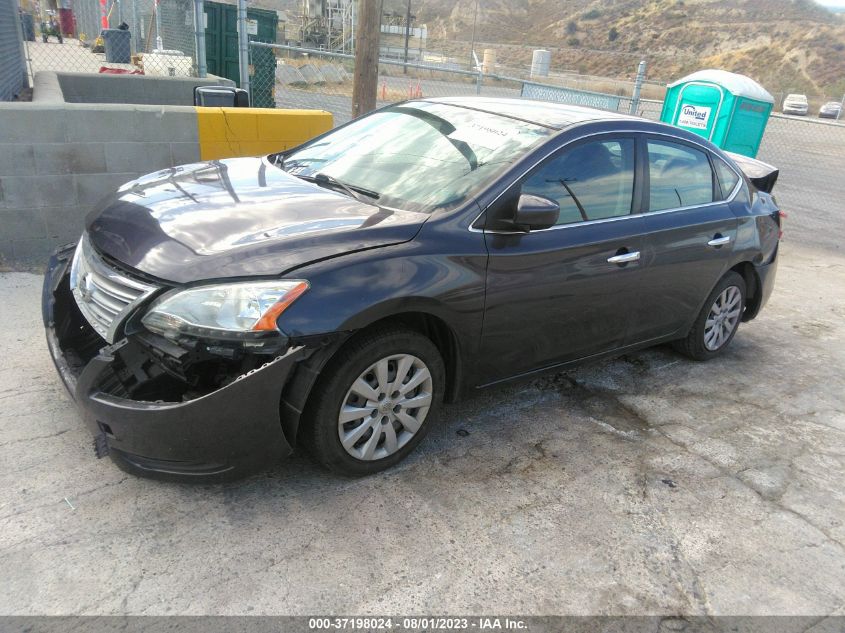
(221,47)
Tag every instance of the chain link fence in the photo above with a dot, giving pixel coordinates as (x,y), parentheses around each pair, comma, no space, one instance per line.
(810,154)
(72,39)
(308,78)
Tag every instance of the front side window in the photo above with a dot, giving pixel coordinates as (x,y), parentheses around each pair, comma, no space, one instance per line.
(591,181)
(419,156)
(679,176)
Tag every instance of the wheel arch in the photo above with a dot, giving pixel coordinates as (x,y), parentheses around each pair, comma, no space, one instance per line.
(299,391)
(753,296)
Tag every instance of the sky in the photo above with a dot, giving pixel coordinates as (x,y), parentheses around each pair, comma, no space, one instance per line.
(839,4)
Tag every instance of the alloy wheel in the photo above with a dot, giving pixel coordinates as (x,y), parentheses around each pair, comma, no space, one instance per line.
(385,406)
(723,318)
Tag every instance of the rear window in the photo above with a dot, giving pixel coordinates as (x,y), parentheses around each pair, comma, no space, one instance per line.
(727,177)
(679,176)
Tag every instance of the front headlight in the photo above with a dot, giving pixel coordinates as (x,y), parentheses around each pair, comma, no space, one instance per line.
(229,311)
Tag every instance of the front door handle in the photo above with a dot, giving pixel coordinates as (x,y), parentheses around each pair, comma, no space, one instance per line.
(719,241)
(624,258)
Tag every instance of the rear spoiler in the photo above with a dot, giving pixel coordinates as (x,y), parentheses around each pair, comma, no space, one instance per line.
(762,175)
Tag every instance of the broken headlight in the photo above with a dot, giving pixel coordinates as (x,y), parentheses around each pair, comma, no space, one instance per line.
(234,311)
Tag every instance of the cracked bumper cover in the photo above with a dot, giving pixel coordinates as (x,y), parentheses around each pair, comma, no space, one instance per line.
(227,433)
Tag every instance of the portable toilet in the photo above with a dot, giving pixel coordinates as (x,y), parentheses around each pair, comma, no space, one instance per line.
(729,110)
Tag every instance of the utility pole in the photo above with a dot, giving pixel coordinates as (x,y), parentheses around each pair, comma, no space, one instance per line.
(159,42)
(472,42)
(365,77)
(407,35)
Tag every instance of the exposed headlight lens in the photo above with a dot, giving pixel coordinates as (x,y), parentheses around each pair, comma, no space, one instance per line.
(235,311)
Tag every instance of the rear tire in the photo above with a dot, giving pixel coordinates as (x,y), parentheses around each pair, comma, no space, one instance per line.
(375,401)
(717,323)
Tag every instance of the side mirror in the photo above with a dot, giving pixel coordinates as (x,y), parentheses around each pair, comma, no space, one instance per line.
(536,212)
(220,97)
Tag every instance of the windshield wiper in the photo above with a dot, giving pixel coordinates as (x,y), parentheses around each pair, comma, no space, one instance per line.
(358,193)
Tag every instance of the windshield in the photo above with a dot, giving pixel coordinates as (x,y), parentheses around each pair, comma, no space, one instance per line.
(419,156)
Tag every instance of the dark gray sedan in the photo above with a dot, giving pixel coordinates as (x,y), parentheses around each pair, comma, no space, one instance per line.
(215,315)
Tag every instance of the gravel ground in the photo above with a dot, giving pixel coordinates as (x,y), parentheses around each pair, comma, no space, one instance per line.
(644,485)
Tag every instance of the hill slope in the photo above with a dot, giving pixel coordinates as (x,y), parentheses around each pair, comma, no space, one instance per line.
(787,45)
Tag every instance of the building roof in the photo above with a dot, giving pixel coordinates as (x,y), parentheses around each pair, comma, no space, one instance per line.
(738,85)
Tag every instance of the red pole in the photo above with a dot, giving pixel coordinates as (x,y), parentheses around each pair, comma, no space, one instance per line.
(104,16)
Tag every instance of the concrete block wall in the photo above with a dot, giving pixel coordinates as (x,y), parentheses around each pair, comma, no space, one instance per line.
(67,87)
(57,161)
(225,132)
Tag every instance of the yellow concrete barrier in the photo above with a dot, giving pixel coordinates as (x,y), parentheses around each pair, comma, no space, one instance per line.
(230,132)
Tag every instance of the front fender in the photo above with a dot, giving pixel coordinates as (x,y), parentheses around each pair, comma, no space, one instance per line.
(354,291)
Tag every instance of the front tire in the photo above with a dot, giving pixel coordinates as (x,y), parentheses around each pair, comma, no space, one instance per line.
(717,323)
(375,401)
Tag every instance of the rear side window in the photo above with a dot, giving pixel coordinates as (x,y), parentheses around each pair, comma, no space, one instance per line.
(679,176)
(591,181)
(727,177)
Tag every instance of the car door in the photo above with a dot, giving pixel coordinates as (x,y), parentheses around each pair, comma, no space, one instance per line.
(691,232)
(565,292)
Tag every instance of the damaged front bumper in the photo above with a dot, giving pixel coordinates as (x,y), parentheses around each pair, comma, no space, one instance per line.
(219,434)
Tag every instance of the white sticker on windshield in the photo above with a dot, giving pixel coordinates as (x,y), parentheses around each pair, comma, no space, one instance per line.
(480,135)
(694,116)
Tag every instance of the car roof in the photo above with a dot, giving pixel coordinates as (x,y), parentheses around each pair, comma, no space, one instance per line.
(545,113)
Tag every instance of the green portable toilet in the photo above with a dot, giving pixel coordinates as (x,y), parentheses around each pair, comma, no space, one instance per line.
(729,110)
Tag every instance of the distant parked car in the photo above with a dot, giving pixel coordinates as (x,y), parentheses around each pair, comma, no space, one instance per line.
(795,104)
(830,110)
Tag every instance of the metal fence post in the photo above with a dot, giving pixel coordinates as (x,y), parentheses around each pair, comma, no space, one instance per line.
(480,77)
(199,30)
(159,42)
(638,84)
(243,46)
(137,27)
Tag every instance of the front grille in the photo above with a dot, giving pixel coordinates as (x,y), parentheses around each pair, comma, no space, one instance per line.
(105,295)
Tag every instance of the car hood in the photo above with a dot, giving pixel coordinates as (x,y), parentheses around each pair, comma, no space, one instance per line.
(234,218)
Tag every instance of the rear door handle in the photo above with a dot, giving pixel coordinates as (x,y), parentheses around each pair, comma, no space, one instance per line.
(624,258)
(719,241)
